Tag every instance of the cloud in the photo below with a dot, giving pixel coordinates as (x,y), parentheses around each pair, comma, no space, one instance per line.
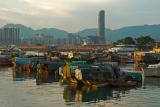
(65,14)
(74,15)
(62,7)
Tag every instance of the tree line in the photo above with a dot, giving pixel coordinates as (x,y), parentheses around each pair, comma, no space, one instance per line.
(142,42)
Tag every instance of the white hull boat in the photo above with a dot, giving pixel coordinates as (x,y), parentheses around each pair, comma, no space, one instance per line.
(152,70)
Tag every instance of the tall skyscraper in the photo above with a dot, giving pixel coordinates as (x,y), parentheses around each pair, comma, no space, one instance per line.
(101,27)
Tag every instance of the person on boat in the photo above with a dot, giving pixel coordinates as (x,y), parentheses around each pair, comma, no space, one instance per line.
(14,62)
(65,73)
(44,73)
(28,71)
(37,66)
(78,76)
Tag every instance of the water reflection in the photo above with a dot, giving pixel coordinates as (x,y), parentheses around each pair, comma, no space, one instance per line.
(2,69)
(86,94)
(21,75)
(27,93)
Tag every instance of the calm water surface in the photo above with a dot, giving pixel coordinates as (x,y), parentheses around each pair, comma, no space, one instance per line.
(25,93)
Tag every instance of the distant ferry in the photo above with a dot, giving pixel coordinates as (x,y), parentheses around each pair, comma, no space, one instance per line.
(123,48)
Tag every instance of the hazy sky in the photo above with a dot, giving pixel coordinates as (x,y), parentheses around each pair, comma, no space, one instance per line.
(75,15)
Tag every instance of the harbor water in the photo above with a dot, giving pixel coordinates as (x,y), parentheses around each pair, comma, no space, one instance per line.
(25,93)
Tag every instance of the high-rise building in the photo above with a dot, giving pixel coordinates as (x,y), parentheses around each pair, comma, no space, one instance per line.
(40,38)
(9,36)
(101,27)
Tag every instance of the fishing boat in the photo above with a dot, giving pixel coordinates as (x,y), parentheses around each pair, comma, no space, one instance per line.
(38,67)
(98,75)
(152,70)
(5,60)
(48,72)
(26,65)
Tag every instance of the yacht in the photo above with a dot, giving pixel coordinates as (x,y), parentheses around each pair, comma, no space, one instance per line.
(152,70)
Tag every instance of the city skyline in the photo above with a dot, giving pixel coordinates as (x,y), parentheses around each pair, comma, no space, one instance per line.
(73,16)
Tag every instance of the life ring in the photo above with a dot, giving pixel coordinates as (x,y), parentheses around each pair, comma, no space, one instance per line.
(78,74)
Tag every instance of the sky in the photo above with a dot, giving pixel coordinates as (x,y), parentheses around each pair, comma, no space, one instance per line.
(76,15)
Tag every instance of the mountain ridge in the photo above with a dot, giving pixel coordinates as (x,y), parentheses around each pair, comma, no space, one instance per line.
(111,34)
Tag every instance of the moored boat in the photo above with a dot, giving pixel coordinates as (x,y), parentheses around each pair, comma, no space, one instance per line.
(5,60)
(48,72)
(99,75)
(152,70)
